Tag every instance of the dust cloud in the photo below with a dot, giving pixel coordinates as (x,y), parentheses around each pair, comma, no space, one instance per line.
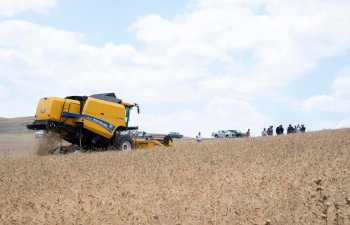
(48,143)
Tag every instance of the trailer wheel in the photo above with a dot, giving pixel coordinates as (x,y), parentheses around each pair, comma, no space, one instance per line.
(123,143)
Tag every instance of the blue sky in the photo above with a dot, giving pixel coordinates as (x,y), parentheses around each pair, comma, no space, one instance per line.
(192,65)
(103,21)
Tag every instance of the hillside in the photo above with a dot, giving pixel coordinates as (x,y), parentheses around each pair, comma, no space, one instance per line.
(15,125)
(15,139)
(266,180)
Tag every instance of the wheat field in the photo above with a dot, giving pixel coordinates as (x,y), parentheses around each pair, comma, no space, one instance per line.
(290,179)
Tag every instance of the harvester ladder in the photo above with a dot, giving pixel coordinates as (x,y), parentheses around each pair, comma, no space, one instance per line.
(65,108)
(64,103)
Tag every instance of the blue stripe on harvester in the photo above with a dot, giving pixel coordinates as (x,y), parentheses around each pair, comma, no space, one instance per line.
(102,123)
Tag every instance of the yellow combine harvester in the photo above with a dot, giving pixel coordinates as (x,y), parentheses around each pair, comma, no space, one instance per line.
(92,122)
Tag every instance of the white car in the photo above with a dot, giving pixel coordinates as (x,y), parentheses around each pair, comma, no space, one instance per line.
(140,134)
(40,134)
(223,134)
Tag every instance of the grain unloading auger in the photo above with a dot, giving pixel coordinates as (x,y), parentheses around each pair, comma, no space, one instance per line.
(92,122)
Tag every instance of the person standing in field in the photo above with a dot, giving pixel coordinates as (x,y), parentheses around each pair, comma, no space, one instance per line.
(247,134)
(290,129)
(199,137)
(281,129)
(302,128)
(270,131)
(278,130)
(264,132)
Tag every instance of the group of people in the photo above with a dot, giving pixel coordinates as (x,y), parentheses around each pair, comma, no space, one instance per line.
(280,130)
(269,131)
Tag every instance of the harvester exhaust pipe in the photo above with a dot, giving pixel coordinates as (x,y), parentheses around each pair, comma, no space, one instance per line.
(138,108)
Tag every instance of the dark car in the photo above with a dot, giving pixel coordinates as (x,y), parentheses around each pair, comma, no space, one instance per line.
(237,133)
(175,135)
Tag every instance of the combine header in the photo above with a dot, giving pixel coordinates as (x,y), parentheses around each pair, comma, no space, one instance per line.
(92,122)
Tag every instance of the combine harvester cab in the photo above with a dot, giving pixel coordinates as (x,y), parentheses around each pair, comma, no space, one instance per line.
(91,122)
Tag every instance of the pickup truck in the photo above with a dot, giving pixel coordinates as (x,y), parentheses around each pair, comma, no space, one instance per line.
(175,135)
(223,134)
(237,133)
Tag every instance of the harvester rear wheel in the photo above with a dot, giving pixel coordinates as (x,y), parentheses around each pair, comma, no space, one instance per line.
(123,143)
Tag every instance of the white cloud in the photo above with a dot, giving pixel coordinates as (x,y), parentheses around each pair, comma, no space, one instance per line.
(341,87)
(13,7)
(63,65)
(343,124)
(334,125)
(218,113)
(207,65)
(38,56)
(284,39)
(31,38)
(327,104)
(337,102)
(3,91)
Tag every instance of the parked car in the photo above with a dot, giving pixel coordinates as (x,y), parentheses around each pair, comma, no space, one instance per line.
(237,133)
(140,134)
(223,134)
(175,135)
(40,134)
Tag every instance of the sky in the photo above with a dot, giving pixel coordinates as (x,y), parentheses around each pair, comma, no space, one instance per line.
(192,65)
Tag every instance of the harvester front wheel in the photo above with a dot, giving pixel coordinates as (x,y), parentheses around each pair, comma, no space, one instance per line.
(123,143)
